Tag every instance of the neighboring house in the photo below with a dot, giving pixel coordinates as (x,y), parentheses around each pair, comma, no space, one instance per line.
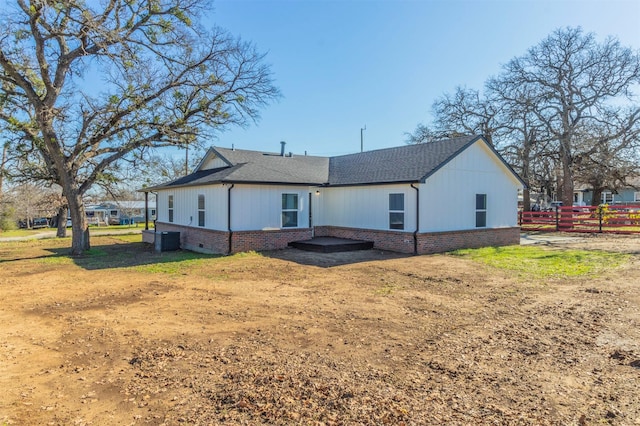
(583,195)
(119,213)
(423,198)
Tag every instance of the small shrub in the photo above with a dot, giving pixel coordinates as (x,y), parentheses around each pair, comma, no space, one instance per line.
(605,213)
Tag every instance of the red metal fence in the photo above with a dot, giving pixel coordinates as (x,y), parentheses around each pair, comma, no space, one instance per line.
(619,219)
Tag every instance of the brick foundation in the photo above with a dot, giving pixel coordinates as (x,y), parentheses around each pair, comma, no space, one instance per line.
(401,242)
(439,242)
(198,239)
(209,241)
(430,242)
(267,240)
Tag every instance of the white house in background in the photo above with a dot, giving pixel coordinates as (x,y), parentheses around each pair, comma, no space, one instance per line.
(423,198)
(125,212)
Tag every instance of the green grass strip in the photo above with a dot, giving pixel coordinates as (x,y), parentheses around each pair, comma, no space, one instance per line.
(538,262)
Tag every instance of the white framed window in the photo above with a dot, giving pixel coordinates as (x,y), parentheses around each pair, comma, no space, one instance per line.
(200,210)
(289,210)
(396,211)
(170,202)
(607,197)
(481,210)
(636,196)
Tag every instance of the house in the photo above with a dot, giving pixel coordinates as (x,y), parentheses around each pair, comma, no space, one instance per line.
(423,198)
(126,212)
(630,194)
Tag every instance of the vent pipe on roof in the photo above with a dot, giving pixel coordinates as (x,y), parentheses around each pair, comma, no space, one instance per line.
(282,144)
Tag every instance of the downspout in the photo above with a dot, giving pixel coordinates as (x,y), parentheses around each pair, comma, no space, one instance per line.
(415,233)
(154,220)
(146,210)
(229,218)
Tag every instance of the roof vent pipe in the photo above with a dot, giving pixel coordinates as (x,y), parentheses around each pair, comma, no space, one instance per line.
(282,144)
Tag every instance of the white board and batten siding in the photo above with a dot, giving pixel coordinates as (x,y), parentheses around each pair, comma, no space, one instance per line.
(448,197)
(259,207)
(253,207)
(365,206)
(185,206)
(211,161)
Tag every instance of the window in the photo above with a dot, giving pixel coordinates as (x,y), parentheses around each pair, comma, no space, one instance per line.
(636,196)
(289,210)
(170,208)
(481,210)
(396,211)
(607,197)
(113,212)
(200,210)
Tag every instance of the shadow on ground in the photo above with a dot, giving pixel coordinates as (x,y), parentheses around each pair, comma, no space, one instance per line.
(127,255)
(107,256)
(329,260)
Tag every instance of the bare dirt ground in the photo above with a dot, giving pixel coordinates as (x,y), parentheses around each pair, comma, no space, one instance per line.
(290,337)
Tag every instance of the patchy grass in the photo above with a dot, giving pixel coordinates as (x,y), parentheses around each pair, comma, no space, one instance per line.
(538,262)
(129,238)
(176,263)
(25,232)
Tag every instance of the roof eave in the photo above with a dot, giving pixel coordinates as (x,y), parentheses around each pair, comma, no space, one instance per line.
(393,182)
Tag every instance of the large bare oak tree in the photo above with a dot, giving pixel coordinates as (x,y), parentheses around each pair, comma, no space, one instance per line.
(87,84)
(565,108)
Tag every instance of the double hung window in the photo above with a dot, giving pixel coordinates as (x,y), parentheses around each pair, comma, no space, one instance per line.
(481,210)
(200,210)
(607,197)
(289,210)
(396,211)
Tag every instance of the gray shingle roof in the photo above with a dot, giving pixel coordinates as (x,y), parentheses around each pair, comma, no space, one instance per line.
(409,163)
(274,168)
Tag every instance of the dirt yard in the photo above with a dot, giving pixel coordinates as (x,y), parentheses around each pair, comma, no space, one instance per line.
(126,337)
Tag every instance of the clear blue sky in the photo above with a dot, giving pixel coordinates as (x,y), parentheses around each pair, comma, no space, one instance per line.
(343,64)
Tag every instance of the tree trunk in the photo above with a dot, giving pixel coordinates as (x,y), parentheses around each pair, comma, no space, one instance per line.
(63,212)
(526,165)
(79,224)
(597,196)
(4,161)
(567,174)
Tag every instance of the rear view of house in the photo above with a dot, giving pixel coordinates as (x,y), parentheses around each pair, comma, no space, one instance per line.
(419,199)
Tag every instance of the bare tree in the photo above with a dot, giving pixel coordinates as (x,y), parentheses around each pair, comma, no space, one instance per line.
(466,112)
(523,139)
(424,134)
(87,85)
(563,105)
(610,157)
(575,83)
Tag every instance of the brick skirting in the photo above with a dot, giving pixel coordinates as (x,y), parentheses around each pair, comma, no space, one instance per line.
(209,241)
(401,242)
(430,242)
(198,239)
(267,240)
(440,242)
